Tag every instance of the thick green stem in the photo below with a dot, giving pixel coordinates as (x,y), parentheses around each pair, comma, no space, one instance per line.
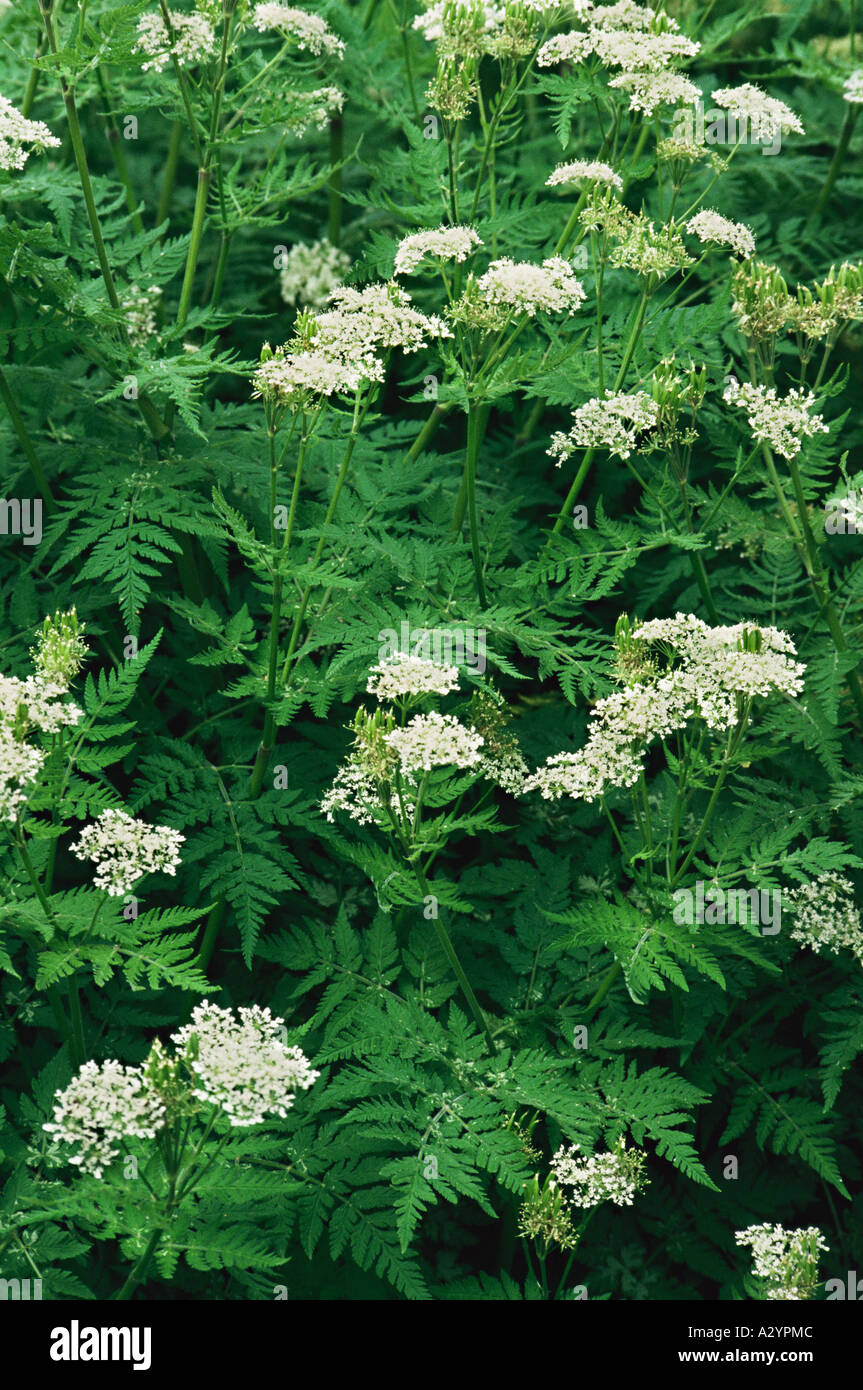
(140,1268)
(474,436)
(835,166)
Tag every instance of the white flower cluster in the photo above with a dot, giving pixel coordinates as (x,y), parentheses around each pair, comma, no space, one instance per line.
(644,44)
(103,1106)
(584,171)
(338,350)
(786,1260)
(780,421)
(616,1176)
(242,1066)
(124,849)
(435,740)
(826,915)
(647,90)
(853,88)
(311,273)
(17,132)
(626,15)
(444,244)
(445,21)
(716,670)
(314,109)
(738,658)
(139,308)
(506,768)
(19,767)
(573,47)
(355,792)
(194,40)
(550,288)
(411,675)
(765,115)
(713,229)
(617,423)
(641,52)
(309,31)
(35,703)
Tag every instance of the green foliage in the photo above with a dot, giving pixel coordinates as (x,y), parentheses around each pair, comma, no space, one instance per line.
(483,978)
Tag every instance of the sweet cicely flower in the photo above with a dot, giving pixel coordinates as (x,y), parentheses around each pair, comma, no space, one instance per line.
(853,88)
(711,674)
(444,244)
(628,15)
(616,1176)
(580,171)
(780,421)
(573,47)
(550,288)
(242,1065)
(194,40)
(35,703)
(17,133)
(642,52)
(309,31)
(311,273)
(435,740)
(101,1108)
(766,116)
(124,849)
(20,764)
(826,915)
(620,422)
(713,229)
(787,1260)
(647,90)
(315,109)
(340,349)
(411,675)
(139,310)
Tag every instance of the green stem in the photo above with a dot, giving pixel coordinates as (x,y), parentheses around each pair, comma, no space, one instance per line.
(319,549)
(334,193)
(835,166)
(26,443)
(140,1268)
(171,162)
(457,968)
(589,455)
(118,154)
(268,739)
(81,161)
